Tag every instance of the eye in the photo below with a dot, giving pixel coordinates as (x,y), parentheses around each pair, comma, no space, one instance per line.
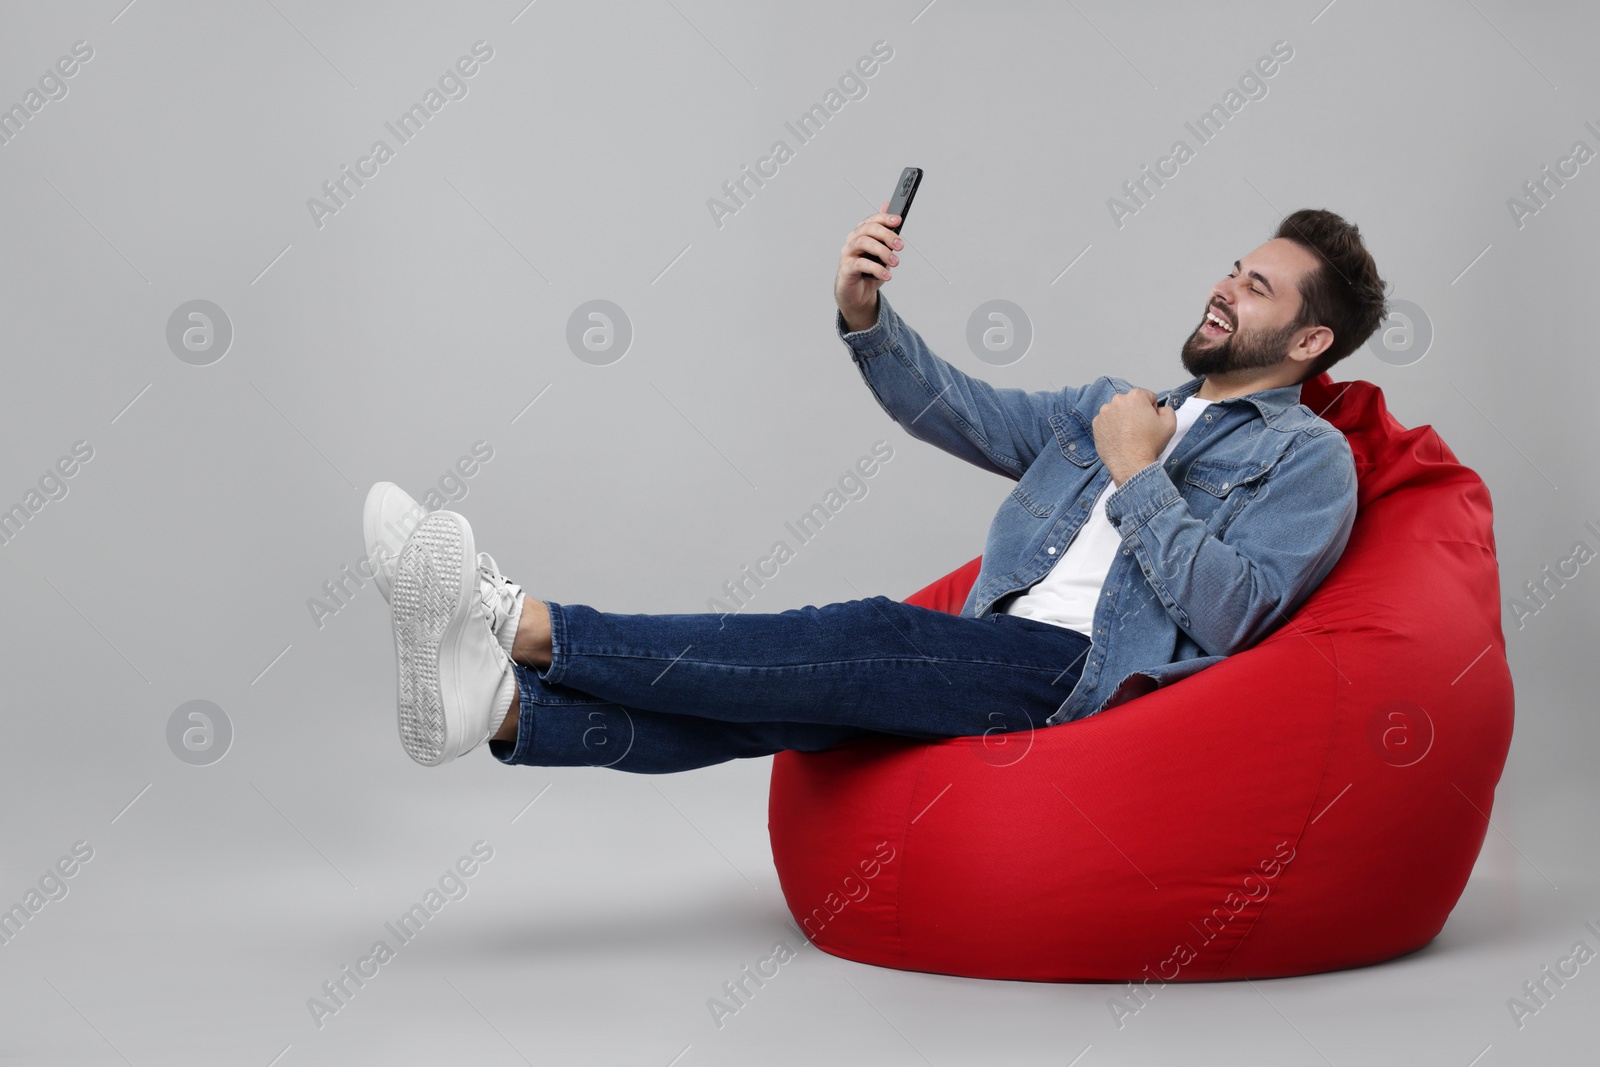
(1253,289)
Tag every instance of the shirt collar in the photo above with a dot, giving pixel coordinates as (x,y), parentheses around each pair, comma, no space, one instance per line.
(1270,402)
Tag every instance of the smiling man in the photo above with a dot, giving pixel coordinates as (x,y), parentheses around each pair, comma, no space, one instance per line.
(1147,537)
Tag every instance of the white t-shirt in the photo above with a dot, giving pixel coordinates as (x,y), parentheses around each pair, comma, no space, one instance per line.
(1070,592)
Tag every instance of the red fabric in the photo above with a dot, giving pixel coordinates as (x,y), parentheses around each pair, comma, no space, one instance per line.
(1107,849)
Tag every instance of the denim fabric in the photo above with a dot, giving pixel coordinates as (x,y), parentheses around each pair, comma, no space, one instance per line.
(1220,543)
(655,694)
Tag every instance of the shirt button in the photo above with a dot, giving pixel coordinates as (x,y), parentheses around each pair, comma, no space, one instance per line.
(1224,485)
(1072,448)
(1051,550)
(1126,551)
(1208,418)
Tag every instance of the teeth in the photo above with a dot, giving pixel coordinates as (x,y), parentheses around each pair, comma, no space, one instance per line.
(1221,323)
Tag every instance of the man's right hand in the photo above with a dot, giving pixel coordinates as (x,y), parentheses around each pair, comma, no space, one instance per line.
(856,287)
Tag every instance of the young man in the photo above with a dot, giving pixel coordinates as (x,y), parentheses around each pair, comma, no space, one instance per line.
(1148,537)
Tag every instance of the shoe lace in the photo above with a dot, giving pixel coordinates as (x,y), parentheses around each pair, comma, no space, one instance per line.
(497,592)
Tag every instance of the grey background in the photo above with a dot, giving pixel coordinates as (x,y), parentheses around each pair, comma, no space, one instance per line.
(432,310)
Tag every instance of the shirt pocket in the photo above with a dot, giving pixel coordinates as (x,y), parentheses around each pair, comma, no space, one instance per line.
(1220,488)
(1039,509)
(1050,480)
(1075,437)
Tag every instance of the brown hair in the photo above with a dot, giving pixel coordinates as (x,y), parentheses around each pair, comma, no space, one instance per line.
(1344,293)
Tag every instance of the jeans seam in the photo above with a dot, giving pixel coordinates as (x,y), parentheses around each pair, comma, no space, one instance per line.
(558,641)
(819,663)
(526,726)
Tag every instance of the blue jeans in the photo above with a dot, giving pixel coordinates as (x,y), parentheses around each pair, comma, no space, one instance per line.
(653,694)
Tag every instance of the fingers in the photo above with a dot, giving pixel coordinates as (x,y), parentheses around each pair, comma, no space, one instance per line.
(1131,396)
(867,266)
(874,223)
(876,230)
(872,235)
(875,237)
(866,243)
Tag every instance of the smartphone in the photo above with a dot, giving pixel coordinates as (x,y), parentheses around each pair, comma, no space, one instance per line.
(900,203)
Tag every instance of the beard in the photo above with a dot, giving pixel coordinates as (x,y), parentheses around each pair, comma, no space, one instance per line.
(1243,350)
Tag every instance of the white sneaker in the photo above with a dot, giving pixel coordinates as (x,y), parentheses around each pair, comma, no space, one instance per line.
(455,681)
(386,521)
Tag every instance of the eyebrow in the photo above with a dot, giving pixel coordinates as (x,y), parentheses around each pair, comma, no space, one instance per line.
(1258,276)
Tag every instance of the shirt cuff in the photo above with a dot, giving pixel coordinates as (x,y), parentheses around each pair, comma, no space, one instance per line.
(1132,503)
(875,339)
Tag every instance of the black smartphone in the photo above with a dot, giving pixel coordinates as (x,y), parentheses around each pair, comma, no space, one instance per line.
(900,203)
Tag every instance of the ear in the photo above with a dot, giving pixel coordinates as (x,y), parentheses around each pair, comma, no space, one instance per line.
(1314,341)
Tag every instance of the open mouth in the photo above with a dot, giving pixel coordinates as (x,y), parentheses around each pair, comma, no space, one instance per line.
(1215,325)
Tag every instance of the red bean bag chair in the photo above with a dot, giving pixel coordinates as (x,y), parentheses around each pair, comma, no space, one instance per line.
(1312,803)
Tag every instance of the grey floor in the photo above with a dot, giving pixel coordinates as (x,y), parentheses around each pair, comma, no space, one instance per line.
(612,911)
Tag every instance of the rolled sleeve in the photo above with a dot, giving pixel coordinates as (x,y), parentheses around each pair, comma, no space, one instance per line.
(1146,491)
(874,340)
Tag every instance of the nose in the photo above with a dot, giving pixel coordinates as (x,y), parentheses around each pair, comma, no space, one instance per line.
(1221,294)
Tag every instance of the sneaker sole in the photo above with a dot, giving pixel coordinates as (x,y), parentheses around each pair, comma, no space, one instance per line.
(433,583)
(383,504)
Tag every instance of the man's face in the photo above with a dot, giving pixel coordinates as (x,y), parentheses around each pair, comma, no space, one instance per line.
(1257,303)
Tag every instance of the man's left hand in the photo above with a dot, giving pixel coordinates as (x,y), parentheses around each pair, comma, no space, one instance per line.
(1131,431)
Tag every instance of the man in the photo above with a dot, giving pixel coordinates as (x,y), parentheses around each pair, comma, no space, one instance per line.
(1148,537)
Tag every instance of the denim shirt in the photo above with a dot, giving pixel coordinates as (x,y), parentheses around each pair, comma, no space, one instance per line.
(1220,543)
